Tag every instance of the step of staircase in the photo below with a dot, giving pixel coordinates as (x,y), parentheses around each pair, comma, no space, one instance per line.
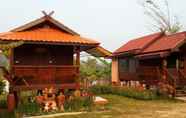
(180,93)
(182,99)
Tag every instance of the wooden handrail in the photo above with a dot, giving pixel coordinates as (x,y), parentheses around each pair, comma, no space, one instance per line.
(172,77)
(143,69)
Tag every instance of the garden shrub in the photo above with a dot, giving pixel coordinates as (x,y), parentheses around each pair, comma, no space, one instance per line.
(124,91)
(3,104)
(28,108)
(101,89)
(2,86)
(135,93)
(3,101)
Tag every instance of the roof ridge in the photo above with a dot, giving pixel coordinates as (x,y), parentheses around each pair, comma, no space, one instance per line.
(141,37)
(169,35)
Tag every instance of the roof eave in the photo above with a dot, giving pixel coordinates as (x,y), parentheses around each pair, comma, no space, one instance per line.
(99,51)
(127,53)
(52,43)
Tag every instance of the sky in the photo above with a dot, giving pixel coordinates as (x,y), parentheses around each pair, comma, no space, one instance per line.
(111,22)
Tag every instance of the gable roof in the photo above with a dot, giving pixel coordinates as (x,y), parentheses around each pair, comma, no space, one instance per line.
(137,44)
(46,29)
(42,20)
(157,42)
(166,42)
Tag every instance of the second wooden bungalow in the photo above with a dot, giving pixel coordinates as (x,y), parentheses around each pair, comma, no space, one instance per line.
(152,59)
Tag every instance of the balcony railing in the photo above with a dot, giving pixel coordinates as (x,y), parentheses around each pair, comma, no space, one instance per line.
(44,75)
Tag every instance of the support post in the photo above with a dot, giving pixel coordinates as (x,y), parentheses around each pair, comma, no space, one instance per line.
(17,97)
(77,56)
(11,102)
(11,58)
(77,63)
(164,67)
(115,71)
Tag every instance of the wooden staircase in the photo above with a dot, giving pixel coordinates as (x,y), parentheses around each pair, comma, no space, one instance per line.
(180,93)
(179,82)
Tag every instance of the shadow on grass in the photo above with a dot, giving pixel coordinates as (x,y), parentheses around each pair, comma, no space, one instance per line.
(6,114)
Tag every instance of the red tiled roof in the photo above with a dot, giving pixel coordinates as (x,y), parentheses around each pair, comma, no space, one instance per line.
(46,35)
(137,44)
(166,42)
(153,43)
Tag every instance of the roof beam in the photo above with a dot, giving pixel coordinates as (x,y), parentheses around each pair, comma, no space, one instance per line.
(47,14)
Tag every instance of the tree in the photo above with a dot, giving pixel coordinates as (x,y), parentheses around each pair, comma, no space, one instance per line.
(106,68)
(95,69)
(161,17)
(5,49)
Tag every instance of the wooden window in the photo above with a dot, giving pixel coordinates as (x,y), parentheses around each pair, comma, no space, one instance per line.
(132,65)
(128,65)
(123,65)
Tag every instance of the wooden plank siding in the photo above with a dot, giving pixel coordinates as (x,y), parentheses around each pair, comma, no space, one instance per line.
(28,54)
(128,76)
(144,74)
(39,66)
(45,74)
(150,75)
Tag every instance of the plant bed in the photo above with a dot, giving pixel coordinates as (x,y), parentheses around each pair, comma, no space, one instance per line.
(74,101)
(74,106)
(135,93)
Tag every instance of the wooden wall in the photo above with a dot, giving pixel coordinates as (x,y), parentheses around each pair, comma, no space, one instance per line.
(150,62)
(43,55)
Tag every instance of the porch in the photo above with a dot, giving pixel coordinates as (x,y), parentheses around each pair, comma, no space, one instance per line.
(144,75)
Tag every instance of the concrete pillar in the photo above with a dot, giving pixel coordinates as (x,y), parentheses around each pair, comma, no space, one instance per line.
(115,71)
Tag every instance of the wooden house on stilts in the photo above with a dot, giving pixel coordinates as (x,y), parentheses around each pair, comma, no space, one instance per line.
(49,56)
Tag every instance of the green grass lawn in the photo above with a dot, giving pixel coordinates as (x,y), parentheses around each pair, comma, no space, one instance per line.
(122,107)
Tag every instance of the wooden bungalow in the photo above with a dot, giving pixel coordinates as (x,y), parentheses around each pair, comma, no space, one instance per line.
(152,59)
(49,56)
